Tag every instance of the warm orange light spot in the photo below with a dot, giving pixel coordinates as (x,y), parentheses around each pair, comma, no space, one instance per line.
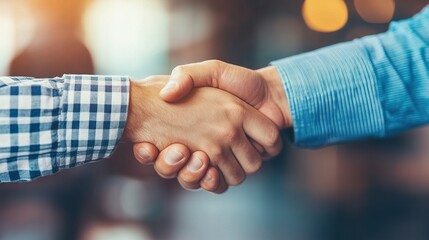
(379,11)
(325,15)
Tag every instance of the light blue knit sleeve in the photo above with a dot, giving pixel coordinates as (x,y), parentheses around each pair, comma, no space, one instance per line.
(367,88)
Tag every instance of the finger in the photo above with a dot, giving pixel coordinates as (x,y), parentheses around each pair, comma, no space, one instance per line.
(257,146)
(263,131)
(145,153)
(210,182)
(264,155)
(171,160)
(184,78)
(248,157)
(191,175)
(223,186)
(230,168)
(268,156)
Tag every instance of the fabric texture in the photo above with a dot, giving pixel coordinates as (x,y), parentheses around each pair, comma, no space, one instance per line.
(372,87)
(50,124)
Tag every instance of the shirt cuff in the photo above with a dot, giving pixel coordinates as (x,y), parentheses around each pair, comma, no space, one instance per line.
(333,95)
(93,117)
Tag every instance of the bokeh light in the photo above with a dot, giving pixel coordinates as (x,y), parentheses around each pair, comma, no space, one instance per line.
(143,52)
(380,11)
(325,16)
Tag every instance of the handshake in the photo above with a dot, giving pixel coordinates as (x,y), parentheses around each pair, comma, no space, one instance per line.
(209,124)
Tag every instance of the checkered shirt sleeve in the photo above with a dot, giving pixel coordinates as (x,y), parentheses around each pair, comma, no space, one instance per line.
(51,124)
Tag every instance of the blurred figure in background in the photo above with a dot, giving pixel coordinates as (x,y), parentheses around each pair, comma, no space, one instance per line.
(45,209)
(56,46)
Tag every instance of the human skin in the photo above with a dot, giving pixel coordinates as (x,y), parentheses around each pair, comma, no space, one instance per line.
(209,122)
(261,88)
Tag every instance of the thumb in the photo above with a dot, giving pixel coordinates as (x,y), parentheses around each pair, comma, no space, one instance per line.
(145,153)
(185,77)
(178,86)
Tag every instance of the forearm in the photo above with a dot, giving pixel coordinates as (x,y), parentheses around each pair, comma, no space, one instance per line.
(52,124)
(372,87)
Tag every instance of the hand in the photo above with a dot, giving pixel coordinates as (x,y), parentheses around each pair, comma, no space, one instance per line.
(207,120)
(262,88)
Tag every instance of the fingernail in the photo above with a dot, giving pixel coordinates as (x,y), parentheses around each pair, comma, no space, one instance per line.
(173,156)
(207,178)
(195,164)
(170,85)
(144,154)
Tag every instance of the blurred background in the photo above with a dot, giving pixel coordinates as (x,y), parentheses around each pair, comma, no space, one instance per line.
(368,190)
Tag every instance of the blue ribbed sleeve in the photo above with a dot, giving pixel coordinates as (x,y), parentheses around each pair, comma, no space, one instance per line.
(371,87)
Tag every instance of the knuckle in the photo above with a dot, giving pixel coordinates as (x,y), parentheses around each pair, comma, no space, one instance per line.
(235,111)
(213,63)
(216,154)
(237,179)
(234,107)
(218,68)
(178,69)
(254,167)
(230,134)
(273,137)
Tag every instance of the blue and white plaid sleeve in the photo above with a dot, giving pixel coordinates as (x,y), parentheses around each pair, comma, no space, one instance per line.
(371,87)
(51,124)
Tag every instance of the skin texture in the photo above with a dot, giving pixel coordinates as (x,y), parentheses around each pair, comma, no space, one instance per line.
(262,89)
(213,124)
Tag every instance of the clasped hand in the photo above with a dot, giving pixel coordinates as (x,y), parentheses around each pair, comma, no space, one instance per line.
(213,122)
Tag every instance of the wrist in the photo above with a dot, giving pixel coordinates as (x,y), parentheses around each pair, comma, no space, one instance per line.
(276,93)
(148,114)
(137,110)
